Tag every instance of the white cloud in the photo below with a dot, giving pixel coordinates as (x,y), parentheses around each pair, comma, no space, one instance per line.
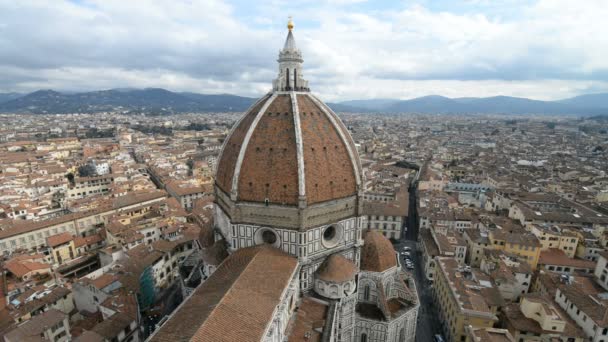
(550,49)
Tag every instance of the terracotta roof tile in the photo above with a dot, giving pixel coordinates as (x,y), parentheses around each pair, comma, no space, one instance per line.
(236,302)
(59,239)
(230,152)
(270,166)
(555,256)
(21,268)
(377,254)
(337,268)
(329,170)
(311,314)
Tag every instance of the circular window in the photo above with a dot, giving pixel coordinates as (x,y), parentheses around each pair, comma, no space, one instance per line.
(329,233)
(266,236)
(332,235)
(269,237)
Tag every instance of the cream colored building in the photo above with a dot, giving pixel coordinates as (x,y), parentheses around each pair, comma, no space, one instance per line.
(464,297)
(551,236)
(537,319)
(32,235)
(62,247)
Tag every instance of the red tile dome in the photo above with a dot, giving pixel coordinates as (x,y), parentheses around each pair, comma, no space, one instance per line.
(336,268)
(289,146)
(377,254)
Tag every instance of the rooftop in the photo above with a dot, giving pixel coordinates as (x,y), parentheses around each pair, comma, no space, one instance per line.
(242,294)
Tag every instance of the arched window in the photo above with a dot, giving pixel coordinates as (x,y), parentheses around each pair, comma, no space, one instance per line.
(295,79)
(287,79)
(364,337)
(366,293)
(402,335)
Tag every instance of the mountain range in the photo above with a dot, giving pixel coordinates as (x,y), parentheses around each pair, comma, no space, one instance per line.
(161,101)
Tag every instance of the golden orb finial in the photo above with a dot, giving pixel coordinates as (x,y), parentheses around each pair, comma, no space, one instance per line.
(290,24)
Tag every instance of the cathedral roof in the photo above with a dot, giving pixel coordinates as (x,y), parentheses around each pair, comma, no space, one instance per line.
(237,302)
(377,254)
(289,146)
(336,268)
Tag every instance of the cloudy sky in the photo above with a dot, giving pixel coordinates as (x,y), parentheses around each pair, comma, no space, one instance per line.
(353,49)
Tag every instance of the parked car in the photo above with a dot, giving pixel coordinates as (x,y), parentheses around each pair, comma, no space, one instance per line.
(406,248)
(410,267)
(438,338)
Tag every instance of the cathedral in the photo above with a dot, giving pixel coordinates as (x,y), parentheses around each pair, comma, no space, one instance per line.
(287,257)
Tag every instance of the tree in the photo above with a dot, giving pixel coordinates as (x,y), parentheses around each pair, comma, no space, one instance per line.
(86,170)
(70,177)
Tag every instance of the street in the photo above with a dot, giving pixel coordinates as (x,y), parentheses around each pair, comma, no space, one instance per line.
(428,318)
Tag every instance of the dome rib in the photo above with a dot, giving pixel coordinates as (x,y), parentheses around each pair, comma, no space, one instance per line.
(329,170)
(232,144)
(339,126)
(241,156)
(297,161)
(299,148)
(270,168)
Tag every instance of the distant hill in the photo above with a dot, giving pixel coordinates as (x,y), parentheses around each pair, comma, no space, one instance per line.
(596,104)
(213,102)
(593,100)
(9,96)
(345,108)
(374,104)
(154,100)
(164,102)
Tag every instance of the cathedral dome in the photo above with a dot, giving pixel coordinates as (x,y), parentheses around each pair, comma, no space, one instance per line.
(335,277)
(377,254)
(336,268)
(289,148)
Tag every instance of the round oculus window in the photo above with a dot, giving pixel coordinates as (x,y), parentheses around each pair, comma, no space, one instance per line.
(269,237)
(266,236)
(332,235)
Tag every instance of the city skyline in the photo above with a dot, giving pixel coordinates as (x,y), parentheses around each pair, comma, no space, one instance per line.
(148,215)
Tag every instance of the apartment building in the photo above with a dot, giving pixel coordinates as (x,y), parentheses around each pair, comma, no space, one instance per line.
(537,318)
(552,236)
(32,235)
(464,297)
(587,306)
(516,242)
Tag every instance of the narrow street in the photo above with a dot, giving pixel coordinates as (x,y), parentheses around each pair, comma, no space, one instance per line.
(428,318)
